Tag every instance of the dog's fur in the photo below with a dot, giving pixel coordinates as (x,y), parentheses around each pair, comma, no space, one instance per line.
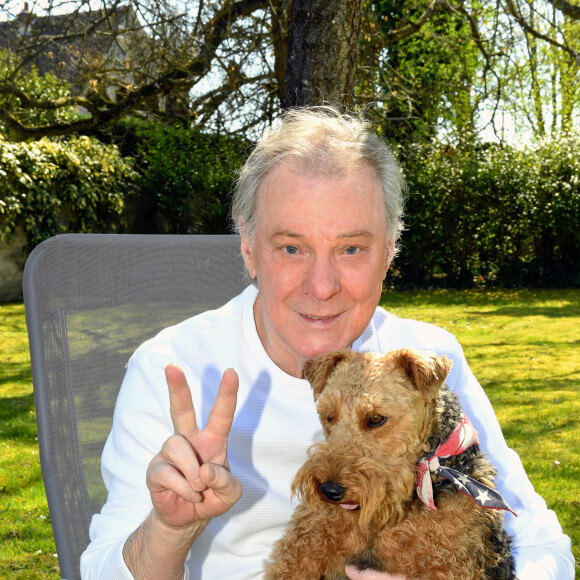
(381,414)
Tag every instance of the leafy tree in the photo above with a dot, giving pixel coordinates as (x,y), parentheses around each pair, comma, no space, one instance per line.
(34,89)
(230,65)
(425,83)
(541,91)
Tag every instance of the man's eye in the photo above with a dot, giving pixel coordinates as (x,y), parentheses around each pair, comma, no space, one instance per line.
(290,249)
(352,250)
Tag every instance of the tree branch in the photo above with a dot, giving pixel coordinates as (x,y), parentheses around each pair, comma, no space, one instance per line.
(536,33)
(28,102)
(181,78)
(402,33)
(480,43)
(566,8)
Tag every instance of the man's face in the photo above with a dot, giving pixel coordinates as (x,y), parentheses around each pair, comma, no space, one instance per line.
(319,255)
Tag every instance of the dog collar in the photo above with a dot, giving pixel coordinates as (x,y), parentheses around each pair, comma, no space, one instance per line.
(462,438)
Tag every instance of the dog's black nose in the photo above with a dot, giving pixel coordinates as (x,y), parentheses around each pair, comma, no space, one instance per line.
(332,490)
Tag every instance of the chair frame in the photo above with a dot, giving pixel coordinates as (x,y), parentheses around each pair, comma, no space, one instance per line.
(53,292)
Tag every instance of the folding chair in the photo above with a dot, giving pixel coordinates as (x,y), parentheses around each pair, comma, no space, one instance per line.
(90,300)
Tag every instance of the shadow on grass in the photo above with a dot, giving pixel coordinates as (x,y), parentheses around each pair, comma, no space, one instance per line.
(520,429)
(564,311)
(547,384)
(11,323)
(443,297)
(482,346)
(12,318)
(484,297)
(15,373)
(16,418)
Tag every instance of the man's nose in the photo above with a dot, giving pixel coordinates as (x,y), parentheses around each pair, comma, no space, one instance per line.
(322,280)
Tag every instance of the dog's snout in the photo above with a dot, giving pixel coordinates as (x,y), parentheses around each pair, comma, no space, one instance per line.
(332,490)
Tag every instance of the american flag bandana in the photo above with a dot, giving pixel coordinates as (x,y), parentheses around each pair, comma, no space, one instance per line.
(462,438)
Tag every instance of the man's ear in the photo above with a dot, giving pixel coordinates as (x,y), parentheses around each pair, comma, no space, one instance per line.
(318,369)
(426,371)
(248,254)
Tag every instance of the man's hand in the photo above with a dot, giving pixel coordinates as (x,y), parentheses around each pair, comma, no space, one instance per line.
(189,479)
(355,574)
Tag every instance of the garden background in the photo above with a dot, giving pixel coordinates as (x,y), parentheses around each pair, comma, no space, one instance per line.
(134,118)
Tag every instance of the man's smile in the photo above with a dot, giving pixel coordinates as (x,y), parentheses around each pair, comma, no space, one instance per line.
(320,318)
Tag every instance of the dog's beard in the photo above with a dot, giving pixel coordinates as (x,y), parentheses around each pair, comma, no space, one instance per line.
(375,493)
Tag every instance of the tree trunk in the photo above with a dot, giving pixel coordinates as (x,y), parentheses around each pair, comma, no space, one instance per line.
(323,48)
(281,14)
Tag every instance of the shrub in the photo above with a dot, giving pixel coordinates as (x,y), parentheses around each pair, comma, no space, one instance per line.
(557,243)
(492,215)
(49,187)
(185,177)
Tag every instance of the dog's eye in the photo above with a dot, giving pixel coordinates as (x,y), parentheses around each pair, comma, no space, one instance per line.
(376,420)
(329,419)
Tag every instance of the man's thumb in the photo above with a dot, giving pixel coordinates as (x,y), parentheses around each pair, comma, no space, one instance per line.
(222,482)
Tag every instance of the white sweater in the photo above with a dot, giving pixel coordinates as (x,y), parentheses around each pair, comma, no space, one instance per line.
(275,423)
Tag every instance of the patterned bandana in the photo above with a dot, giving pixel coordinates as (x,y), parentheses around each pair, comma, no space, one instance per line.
(462,438)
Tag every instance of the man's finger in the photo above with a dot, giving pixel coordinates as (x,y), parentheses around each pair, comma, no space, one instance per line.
(180,401)
(227,486)
(222,412)
(163,477)
(178,452)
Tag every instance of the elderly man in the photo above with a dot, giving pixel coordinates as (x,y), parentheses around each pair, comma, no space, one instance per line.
(318,206)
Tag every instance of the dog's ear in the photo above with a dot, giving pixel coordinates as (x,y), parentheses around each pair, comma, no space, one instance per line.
(317,370)
(427,371)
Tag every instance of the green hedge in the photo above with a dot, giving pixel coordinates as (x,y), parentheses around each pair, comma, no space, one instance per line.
(477,215)
(48,187)
(185,177)
(491,215)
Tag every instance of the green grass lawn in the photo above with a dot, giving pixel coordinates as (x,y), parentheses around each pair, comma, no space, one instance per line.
(27,550)
(523,345)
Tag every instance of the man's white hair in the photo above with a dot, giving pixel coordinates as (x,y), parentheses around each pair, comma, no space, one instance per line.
(319,140)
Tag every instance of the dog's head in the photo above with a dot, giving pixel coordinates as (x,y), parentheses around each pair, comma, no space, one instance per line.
(376,411)
(426,371)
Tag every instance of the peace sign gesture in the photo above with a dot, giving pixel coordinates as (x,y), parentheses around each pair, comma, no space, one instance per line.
(189,479)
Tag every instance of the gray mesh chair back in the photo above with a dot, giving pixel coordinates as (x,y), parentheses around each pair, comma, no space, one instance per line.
(90,300)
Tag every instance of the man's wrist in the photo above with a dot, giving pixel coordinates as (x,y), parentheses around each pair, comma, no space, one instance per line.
(156,551)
